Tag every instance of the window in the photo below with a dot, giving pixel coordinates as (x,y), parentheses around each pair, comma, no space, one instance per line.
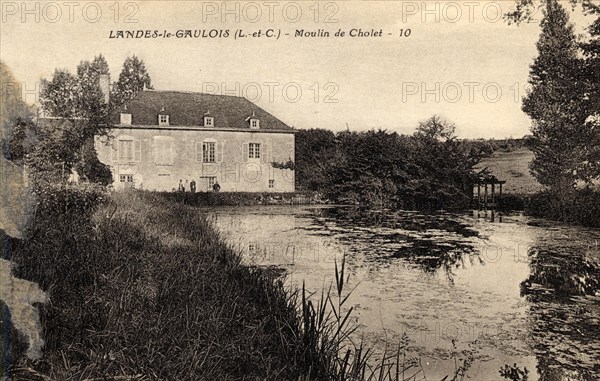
(125,150)
(271,184)
(208,152)
(254,123)
(126,178)
(163,150)
(163,120)
(209,121)
(254,151)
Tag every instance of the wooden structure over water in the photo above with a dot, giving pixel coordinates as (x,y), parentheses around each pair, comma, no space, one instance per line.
(486,192)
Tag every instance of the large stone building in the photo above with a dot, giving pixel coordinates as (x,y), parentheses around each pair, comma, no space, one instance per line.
(162,138)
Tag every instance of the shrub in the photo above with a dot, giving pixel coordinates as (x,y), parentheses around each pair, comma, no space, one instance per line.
(576,206)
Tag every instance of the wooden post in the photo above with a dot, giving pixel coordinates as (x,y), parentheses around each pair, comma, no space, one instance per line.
(493,194)
(485,197)
(479,196)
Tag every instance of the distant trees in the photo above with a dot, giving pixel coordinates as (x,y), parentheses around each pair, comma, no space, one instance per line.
(430,169)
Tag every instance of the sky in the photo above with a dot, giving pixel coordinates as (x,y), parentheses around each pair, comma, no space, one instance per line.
(459,60)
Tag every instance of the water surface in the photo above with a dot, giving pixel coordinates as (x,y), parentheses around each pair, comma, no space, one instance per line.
(507,289)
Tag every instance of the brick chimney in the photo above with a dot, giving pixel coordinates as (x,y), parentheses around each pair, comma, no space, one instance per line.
(104,82)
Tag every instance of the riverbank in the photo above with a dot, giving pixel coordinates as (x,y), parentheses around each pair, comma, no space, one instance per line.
(242,198)
(144,288)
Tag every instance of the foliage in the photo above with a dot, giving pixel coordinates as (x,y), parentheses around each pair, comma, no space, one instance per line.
(430,169)
(16,117)
(287,165)
(81,113)
(314,151)
(136,293)
(514,373)
(77,104)
(576,206)
(90,168)
(564,101)
(557,103)
(133,79)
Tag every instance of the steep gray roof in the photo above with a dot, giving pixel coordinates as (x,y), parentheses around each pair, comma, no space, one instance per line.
(188,109)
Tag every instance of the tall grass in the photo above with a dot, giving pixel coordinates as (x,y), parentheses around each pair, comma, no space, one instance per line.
(144,288)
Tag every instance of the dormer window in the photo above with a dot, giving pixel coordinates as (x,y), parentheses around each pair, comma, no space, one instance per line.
(125,118)
(163,120)
(209,121)
(253,121)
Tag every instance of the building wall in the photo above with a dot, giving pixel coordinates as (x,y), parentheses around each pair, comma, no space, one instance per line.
(157,158)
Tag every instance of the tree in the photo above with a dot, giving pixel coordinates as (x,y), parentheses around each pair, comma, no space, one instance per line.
(80,104)
(58,96)
(16,117)
(585,158)
(557,103)
(442,164)
(314,150)
(133,79)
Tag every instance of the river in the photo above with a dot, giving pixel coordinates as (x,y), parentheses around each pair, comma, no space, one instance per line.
(505,289)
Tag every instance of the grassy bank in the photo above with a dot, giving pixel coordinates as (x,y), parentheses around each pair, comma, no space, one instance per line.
(241,198)
(143,286)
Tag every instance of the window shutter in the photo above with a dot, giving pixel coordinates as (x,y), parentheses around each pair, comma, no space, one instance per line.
(244,152)
(199,152)
(137,150)
(264,152)
(219,152)
(114,150)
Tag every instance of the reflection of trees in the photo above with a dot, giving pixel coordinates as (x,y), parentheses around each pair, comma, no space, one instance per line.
(564,311)
(433,242)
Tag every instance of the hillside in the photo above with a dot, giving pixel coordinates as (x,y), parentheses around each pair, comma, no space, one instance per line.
(513,167)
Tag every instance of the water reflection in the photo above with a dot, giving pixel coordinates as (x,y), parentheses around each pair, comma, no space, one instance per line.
(563,291)
(512,290)
(432,242)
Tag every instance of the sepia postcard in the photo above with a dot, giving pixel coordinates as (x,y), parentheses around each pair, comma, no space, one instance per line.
(300,190)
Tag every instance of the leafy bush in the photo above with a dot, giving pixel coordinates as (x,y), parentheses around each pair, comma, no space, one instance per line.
(574,206)
(510,201)
(430,169)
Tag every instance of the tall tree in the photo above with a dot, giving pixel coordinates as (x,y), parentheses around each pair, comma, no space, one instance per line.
(133,79)
(591,50)
(586,154)
(80,103)
(557,102)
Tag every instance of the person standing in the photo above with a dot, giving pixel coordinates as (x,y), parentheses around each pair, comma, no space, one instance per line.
(181,186)
(192,186)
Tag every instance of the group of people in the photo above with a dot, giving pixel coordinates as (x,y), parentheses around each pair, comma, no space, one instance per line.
(216,187)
